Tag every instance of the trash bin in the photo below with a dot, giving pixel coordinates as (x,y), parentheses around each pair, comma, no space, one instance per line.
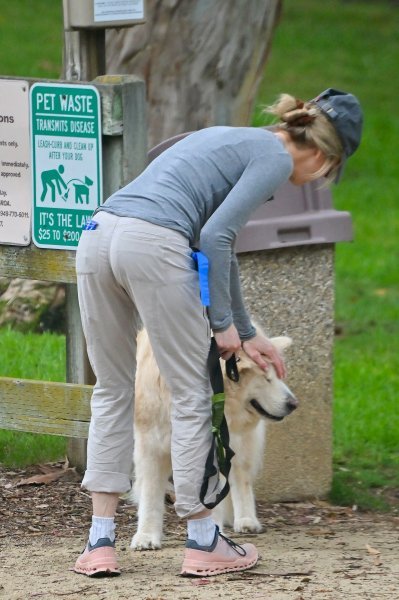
(286,258)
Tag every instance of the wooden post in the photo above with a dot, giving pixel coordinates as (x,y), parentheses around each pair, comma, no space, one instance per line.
(124,157)
(124,129)
(78,368)
(83,60)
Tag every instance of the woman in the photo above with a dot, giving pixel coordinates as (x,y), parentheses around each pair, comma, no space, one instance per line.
(134,264)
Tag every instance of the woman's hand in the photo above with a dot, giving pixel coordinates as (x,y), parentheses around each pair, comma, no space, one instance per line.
(228,342)
(261,351)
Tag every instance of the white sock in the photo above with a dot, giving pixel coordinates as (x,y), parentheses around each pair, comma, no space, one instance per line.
(101,527)
(201,531)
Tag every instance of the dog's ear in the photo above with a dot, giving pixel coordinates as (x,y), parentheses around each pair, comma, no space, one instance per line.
(282,342)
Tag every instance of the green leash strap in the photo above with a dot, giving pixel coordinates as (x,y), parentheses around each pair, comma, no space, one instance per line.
(221,438)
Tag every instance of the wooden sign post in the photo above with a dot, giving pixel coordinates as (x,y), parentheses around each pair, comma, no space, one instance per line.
(84,60)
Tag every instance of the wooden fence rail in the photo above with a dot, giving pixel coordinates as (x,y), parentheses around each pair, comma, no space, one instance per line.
(45,407)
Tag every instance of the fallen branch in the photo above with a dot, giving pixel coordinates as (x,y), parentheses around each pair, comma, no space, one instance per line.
(249,574)
(88,587)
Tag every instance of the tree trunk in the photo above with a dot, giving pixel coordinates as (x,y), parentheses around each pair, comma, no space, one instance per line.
(202,60)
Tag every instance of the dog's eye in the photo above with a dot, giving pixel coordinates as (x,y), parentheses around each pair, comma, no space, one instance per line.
(268,379)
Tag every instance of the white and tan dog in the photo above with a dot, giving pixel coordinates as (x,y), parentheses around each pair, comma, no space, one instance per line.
(257,397)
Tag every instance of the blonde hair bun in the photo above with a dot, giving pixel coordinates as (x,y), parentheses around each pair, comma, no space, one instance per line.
(299,117)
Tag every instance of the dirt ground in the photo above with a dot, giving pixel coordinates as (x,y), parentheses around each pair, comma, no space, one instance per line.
(308,550)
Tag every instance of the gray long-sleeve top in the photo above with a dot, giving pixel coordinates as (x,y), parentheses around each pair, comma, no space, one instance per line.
(206,186)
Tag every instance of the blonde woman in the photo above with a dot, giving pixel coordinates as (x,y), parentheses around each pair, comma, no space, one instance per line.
(134,264)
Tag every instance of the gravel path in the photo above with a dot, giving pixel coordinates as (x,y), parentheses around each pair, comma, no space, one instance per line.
(308,550)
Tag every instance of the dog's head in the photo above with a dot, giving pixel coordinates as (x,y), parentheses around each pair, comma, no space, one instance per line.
(261,393)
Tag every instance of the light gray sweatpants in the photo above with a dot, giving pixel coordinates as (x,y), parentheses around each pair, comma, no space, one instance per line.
(127,270)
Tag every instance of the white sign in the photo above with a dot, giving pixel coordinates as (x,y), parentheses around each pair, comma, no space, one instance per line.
(66,161)
(15,176)
(118,10)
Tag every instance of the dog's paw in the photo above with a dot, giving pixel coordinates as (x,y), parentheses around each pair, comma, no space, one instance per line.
(146,541)
(247,525)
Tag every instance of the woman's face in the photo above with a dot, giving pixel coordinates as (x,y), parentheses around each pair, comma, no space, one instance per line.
(307,162)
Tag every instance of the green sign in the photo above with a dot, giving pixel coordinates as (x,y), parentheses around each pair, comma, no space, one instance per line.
(66,163)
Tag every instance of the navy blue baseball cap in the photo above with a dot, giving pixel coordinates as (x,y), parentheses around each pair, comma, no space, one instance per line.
(345,113)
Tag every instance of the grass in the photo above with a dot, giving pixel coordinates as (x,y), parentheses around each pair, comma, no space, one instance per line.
(31,356)
(31,36)
(348,45)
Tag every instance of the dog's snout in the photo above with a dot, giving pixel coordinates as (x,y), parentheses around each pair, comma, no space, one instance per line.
(292,403)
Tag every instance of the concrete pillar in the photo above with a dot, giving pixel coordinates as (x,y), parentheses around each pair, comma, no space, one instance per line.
(291,291)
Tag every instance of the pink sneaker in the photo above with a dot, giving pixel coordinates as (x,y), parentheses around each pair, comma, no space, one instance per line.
(98,560)
(223,556)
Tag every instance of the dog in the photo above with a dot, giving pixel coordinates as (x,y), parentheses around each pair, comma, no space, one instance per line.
(258,397)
